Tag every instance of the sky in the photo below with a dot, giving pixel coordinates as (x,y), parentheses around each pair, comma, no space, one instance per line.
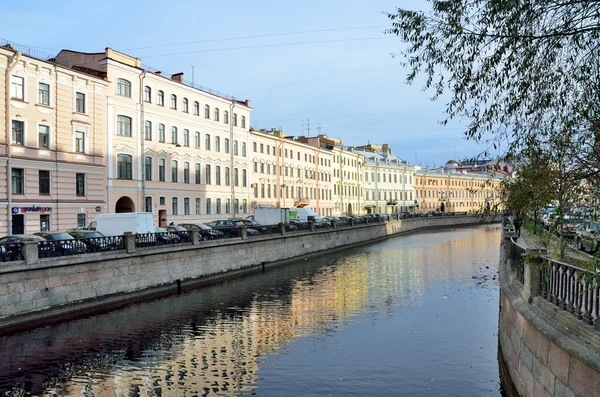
(308,68)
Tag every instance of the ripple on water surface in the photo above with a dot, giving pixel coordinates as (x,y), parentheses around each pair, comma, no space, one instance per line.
(414,315)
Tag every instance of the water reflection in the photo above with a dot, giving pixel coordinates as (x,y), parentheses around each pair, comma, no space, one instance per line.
(371,314)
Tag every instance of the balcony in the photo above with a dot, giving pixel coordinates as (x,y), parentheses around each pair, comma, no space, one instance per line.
(301,202)
(392,202)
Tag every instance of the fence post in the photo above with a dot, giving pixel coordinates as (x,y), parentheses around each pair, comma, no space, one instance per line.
(333,224)
(311,226)
(282,228)
(352,222)
(129,242)
(195,237)
(531,272)
(243,232)
(30,252)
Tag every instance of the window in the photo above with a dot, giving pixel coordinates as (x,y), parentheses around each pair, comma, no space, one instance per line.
(186,172)
(173,101)
(217,144)
(44,94)
(148,130)
(255,167)
(207,178)
(244,178)
(186,206)
(196,108)
(80,102)
(17,87)
(206,112)
(236,179)
(147,94)
(254,147)
(218,175)
(162,165)
(198,206)
(197,139)
(228,206)
(81,220)
(18,181)
(235,148)
(175,206)
(161,98)
(216,114)
(244,149)
(43,136)
(124,87)
(80,184)
(227,179)
(18,132)
(186,108)
(207,142)
(44,182)
(262,148)
(218,206)
(148,204)
(243,121)
(197,173)
(161,133)
(208,207)
(148,168)
(225,116)
(124,166)
(235,119)
(226,145)
(174,135)
(162,200)
(174,171)
(79,142)
(123,125)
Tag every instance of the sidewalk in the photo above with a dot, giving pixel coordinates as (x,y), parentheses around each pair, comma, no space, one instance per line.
(572,256)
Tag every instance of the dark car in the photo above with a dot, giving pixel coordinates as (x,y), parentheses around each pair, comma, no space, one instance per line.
(164,237)
(96,241)
(300,225)
(179,231)
(11,246)
(251,223)
(249,231)
(59,244)
(588,237)
(205,232)
(226,226)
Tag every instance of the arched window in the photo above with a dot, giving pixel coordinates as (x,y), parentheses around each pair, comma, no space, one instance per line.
(198,206)
(207,175)
(175,206)
(206,111)
(124,87)
(208,206)
(198,173)
(160,98)
(162,165)
(185,105)
(216,114)
(235,119)
(207,142)
(148,130)
(245,178)
(174,171)
(147,94)
(236,179)
(227,176)
(217,144)
(174,135)
(225,116)
(243,121)
(218,175)
(173,101)
(218,206)
(123,125)
(148,168)
(226,145)
(197,139)
(196,108)
(124,166)
(228,206)
(186,172)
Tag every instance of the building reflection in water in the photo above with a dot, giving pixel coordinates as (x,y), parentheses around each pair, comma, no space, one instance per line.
(211,340)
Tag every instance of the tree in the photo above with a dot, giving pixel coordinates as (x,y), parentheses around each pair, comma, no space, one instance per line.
(516,70)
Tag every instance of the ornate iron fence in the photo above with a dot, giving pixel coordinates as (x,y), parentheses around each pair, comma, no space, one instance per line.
(102,244)
(158,239)
(11,252)
(516,255)
(58,248)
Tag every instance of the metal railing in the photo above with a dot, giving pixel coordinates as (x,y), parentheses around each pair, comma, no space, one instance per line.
(158,239)
(572,289)
(11,252)
(103,244)
(517,256)
(58,248)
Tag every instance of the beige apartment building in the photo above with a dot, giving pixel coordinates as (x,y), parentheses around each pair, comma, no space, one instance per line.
(52,151)
(290,173)
(175,150)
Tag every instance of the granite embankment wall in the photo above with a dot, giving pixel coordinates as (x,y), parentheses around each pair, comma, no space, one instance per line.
(55,287)
(544,350)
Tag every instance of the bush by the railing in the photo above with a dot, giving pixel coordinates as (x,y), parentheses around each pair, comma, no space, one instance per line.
(11,252)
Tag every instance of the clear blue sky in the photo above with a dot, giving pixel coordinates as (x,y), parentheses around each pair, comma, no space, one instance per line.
(343,80)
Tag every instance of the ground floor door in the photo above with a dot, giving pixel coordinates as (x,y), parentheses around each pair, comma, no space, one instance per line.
(18,224)
(162,218)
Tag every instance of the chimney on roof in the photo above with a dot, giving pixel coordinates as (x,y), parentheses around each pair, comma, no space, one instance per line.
(178,77)
(248,102)
(158,72)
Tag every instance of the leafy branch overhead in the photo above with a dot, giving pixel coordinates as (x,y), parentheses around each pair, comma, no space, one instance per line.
(516,70)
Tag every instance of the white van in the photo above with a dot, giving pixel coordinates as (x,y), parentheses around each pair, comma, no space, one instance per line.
(303,214)
(118,224)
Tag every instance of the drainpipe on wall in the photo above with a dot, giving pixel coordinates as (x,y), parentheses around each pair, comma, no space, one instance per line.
(7,136)
(142,134)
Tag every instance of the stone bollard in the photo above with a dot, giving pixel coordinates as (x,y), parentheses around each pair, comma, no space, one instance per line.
(531,272)
(282,228)
(380,220)
(129,242)
(243,232)
(311,226)
(351,222)
(195,237)
(30,252)
(333,224)
(366,221)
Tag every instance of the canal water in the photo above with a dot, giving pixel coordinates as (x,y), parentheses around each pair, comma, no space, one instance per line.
(415,315)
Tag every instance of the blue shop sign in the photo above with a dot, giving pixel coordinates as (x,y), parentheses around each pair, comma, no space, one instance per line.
(22,210)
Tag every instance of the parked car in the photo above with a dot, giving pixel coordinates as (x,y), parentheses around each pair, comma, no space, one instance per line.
(251,223)
(179,231)
(249,231)
(95,241)
(164,237)
(226,226)
(300,225)
(587,238)
(569,227)
(205,232)
(59,244)
(10,246)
